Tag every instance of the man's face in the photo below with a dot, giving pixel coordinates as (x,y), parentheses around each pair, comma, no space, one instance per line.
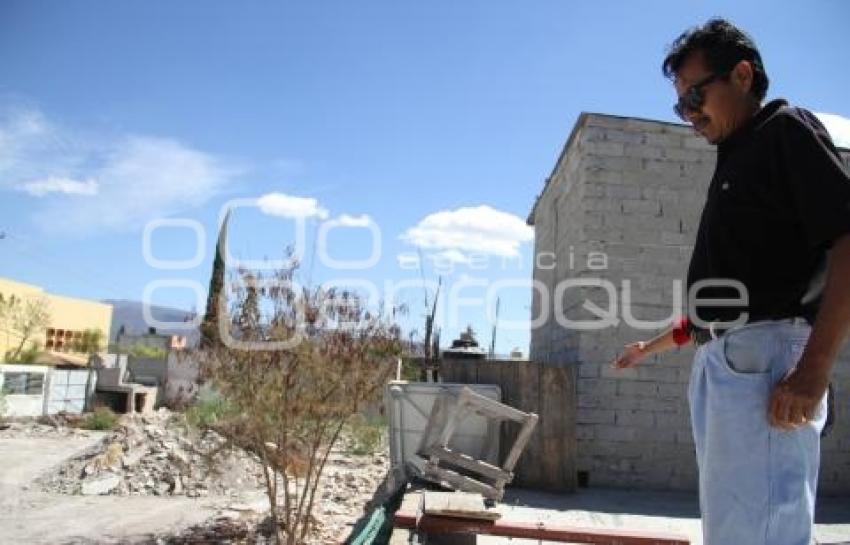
(726,102)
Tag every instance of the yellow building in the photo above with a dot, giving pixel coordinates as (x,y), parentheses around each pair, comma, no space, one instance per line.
(69,318)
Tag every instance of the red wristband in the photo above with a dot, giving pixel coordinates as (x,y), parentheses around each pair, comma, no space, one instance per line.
(680,331)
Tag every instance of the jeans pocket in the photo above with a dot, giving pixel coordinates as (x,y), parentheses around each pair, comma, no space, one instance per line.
(747,353)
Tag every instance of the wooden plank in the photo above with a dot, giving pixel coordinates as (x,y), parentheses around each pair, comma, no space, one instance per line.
(470,463)
(468,375)
(436,422)
(490,407)
(454,480)
(541,531)
(554,431)
(448,371)
(571,408)
(461,370)
(489,373)
(521,441)
(508,380)
(549,391)
(528,470)
(457,504)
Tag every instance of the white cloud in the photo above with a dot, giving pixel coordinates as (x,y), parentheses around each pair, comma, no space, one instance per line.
(56,184)
(838,127)
(347,220)
(289,206)
(481,229)
(126,179)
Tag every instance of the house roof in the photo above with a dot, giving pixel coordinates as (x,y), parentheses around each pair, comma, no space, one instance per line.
(56,359)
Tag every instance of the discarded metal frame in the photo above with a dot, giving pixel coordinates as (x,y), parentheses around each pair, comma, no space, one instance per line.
(489,480)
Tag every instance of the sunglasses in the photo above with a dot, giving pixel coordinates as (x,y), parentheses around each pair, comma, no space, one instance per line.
(694,97)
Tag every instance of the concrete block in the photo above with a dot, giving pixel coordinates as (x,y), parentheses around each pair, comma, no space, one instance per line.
(616,433)
(585,432)
(588,370)
(685,437)
(630,373)
(643,419)
(643,151)
(595,416)
(640,206)
(672,389)
(637,388)
(658,374)
(604,147)
(681,154)
(597,387)
(658,435)
(622,191)
(591,401)
(645,126)
(678,421)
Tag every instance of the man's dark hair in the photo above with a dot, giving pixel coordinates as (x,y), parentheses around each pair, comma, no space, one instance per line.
(723,45)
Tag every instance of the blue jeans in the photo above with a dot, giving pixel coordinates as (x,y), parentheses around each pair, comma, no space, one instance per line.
(757,483)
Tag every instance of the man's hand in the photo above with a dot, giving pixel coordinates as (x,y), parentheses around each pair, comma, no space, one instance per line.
(795,398)
(633,354)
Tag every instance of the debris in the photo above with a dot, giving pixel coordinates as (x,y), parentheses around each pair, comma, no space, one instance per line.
(101,486)
(461,471)
(158,455)
(408,406)
(457,504)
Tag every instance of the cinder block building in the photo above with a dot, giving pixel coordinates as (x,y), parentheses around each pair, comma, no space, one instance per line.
(614,230)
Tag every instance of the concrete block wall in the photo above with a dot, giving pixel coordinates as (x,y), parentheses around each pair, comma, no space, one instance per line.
(633,190)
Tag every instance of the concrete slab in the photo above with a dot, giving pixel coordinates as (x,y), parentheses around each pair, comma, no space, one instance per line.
(674,512)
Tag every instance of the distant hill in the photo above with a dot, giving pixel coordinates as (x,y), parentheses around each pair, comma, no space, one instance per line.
(130,314)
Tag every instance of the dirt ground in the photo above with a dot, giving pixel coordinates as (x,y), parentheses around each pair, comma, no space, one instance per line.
(29,515)
(32,513)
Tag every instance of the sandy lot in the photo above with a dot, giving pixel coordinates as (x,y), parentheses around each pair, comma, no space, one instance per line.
(28,515)
(31,512)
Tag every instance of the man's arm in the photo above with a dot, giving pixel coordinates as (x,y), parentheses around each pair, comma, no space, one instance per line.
(797,396)
(634,353)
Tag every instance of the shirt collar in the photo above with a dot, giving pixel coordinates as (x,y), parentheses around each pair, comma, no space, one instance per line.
(741,132)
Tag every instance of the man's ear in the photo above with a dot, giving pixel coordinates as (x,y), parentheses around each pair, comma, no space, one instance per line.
(742,76)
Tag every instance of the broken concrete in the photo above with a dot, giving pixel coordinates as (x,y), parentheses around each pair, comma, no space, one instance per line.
(100,486)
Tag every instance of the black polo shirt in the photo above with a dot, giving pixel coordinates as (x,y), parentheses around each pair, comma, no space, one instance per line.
(778,199)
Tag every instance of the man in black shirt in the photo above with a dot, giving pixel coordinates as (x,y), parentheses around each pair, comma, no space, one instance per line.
(768,293)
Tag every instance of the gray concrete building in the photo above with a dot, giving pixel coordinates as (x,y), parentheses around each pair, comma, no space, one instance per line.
(618,218)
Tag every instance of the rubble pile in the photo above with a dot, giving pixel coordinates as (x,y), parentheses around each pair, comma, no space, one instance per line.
(157,454)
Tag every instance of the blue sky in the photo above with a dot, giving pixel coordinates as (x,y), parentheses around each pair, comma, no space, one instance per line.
(437,120)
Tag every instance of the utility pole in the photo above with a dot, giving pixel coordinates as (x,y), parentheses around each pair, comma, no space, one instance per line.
(495,324)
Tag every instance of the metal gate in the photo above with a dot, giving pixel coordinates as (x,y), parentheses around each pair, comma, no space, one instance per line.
(68,390)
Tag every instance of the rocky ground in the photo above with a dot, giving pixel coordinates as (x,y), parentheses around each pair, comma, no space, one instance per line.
(158,456)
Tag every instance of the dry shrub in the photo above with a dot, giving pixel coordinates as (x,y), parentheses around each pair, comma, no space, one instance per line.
(306,361)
